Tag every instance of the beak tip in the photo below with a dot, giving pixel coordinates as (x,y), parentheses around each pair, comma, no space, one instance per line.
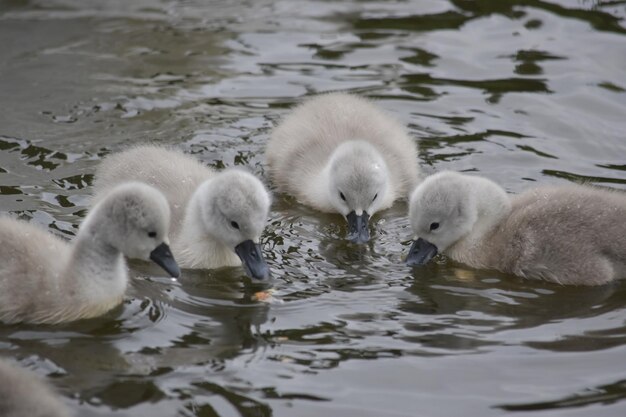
(252,259)
(359,239)
(411,262)
(358,227)
(260,273)
(421,253)
(266,276)
(163,257)
(260,276)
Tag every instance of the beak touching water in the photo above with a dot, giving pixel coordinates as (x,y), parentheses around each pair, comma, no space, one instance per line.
(421,252)
(357,226)
(252,259)
(163,257)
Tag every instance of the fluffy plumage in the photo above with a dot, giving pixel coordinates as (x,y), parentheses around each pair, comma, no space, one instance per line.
(340,153)
(212,212)
(571,234)
(23,394)
(44,279)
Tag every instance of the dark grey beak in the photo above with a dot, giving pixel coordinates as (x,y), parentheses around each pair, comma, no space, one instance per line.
(163,257)
(421,252)
(252,259)
(357,226)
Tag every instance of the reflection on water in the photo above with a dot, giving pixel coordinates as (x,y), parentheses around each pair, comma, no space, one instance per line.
(522,92)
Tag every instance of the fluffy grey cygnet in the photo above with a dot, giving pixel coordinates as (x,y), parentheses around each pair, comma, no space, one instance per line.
(44,279)
(570,234)
(23,394)
(339,153)
(217,217)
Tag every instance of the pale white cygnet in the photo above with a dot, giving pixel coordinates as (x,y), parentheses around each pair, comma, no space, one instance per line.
(23,394)
(217,217)
(44,279)
(340,153)
(571,234)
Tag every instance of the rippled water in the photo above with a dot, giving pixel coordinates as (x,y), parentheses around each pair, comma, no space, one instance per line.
(520,91)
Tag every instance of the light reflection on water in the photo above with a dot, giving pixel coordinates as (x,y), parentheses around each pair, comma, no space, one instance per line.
(519,92)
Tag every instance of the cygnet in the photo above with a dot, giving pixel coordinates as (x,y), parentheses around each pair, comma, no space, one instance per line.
(340,153)
(572,234)
(44,279)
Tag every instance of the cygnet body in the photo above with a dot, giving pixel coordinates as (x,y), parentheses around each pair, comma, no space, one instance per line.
(23,394)
(571,234)
(340,153)
(44,279)
(217,217)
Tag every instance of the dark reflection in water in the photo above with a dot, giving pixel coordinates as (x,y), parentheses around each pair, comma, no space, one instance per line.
(603,395)
(523,92)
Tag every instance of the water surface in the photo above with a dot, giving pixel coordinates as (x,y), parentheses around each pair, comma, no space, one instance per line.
(523,92)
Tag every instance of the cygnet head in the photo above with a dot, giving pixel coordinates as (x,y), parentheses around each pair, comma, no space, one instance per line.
(235,207)
(442,210)
(358,183)
(134,218)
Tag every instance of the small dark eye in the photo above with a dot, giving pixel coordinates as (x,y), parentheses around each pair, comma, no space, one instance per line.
(343,197)
(376,195)
(434,226)
(152,234)
(234,224)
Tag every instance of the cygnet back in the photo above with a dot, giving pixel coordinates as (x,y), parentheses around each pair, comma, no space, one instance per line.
(173,173)
(571,234)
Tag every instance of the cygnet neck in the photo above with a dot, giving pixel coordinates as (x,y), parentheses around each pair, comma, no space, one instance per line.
(196,246)
(493,202)
(93,259)
(492,205)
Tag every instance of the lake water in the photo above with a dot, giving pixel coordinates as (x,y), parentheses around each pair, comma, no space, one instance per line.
(523,92)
